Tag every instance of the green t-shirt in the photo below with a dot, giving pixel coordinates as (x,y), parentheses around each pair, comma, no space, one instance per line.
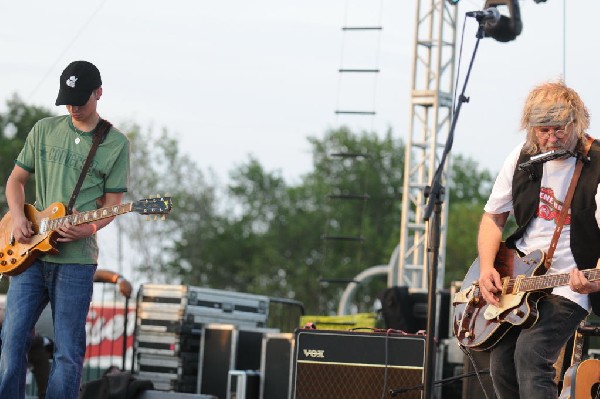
(52,153)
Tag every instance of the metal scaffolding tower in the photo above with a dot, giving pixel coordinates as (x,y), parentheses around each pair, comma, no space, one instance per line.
(431,114)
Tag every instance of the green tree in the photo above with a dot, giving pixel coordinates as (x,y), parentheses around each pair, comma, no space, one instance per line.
(15,124)
(469,183)
(261,234)
(158,168)
(461,246)
(347,166)
(469,190)
(260,238)
(270,237)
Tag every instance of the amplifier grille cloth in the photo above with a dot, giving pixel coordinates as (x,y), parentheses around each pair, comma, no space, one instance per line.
(318,380)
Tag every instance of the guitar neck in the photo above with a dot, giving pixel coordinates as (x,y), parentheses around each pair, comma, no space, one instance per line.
(48,225)
(553,280)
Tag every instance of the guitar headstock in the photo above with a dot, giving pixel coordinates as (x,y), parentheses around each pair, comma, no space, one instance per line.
(153,206)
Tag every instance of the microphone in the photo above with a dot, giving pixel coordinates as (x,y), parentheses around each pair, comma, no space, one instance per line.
(489,14)
(545,157)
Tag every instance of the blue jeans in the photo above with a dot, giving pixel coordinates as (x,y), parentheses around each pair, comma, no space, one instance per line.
(522,363)
(68,288)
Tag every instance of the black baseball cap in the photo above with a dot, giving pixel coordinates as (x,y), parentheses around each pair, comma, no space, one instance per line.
(77,82)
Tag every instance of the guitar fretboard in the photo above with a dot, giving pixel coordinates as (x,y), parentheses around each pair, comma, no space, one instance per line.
(548,281)
(85,217)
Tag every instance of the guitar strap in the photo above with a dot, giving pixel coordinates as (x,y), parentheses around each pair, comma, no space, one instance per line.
(567,203)
(100,132)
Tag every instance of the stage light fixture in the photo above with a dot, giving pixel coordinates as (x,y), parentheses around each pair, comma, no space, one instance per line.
(508,27)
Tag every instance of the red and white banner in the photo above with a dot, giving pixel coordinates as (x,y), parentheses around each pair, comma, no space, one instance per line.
(105,328)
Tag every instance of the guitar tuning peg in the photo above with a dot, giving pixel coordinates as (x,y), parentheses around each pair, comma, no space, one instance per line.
(163,217)
(155,218)
(148,218)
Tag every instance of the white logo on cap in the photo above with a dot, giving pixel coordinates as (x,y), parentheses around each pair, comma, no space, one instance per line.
(71,81)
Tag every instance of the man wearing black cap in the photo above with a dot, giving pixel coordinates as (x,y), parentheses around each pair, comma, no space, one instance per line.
(54,152)
(555,119)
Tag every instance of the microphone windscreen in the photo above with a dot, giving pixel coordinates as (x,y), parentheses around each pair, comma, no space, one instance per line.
(503,30)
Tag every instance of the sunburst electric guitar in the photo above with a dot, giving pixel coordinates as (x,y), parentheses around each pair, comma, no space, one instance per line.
(479,325)
(582,379)
(15,257)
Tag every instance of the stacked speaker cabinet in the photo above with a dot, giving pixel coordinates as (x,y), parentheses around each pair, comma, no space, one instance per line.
(346,364)
(166,346)
(179,328)
(276,366)
(225,348)
(243,384)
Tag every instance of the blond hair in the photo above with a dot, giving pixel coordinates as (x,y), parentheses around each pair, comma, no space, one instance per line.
(553,104)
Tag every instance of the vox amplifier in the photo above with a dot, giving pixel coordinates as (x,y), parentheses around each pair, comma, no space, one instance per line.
(345,364)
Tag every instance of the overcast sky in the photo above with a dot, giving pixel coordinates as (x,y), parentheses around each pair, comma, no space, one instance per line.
(235,77)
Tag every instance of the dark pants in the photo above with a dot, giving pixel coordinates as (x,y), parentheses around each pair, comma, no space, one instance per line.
(522,363)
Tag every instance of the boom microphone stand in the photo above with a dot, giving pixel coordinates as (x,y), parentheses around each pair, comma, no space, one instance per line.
(435,195)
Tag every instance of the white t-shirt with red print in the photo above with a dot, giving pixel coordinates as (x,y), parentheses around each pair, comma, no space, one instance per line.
(555,183)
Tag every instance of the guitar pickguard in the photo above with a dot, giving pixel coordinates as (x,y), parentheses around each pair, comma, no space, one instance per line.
(507,301)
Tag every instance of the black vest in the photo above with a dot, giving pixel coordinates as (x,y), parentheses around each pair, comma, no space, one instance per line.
(585,234)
